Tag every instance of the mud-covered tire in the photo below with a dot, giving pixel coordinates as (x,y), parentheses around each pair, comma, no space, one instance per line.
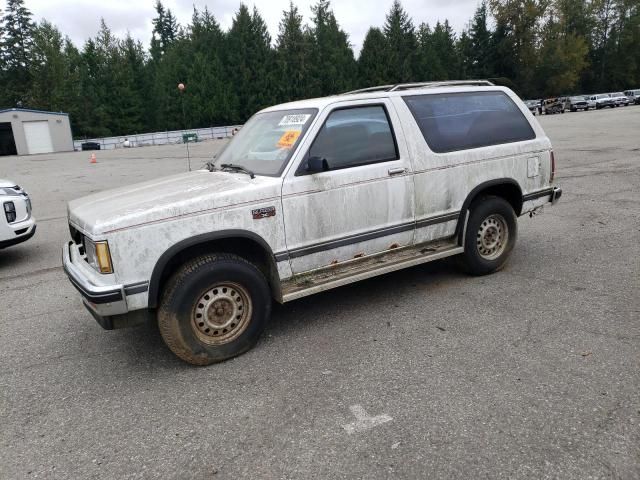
(490,218)
(183,300)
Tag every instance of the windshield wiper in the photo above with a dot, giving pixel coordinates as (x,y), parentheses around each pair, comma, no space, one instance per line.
(238,168)
(210,165)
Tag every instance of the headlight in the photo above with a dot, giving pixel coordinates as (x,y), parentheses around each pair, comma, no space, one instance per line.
(98,255)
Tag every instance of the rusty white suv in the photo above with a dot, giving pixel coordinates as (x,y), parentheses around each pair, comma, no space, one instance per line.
(309,196)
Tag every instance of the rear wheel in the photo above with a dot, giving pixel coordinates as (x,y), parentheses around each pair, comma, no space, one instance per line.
(213,308)
(492,231)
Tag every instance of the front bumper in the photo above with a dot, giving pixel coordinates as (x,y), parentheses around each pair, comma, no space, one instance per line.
(103,301)
(29,232)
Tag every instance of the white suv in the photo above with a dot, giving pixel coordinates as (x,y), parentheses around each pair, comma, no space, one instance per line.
(309,196)
(17,225)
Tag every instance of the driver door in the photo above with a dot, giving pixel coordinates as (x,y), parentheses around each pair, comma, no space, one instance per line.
(363,203)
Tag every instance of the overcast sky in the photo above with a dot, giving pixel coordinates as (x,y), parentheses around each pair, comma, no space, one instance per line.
(79,19)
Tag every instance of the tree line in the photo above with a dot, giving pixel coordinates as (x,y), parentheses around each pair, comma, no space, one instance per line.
(116,86)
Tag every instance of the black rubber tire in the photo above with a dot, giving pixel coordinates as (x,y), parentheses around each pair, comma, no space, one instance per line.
(471,261)
(185,288)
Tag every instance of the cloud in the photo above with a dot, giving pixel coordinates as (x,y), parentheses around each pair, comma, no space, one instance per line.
(80,19)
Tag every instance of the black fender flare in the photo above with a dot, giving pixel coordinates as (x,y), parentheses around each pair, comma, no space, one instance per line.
(496,182)
(171,252)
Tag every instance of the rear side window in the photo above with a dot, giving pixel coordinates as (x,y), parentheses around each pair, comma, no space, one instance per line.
(461,121)
(355,136)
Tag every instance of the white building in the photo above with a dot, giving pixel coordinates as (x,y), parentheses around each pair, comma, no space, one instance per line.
(26,132)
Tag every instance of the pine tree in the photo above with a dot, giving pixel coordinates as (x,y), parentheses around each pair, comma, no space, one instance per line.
(16,52)
(444,45)
(48,69)
(372,64)
(249,62)
(480,39)
(292,56)
(430,66)
(334,68)
(401,45)
(464,49)
(165,31)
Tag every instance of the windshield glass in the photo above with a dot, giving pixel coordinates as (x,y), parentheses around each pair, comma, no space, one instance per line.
(577,99)
(266,142)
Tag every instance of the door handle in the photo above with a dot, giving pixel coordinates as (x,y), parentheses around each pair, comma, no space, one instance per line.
(396,171)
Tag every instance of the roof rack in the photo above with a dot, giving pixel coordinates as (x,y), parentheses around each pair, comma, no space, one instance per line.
(409,86)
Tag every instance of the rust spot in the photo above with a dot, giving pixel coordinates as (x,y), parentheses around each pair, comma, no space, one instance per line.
(394,245)
(359,255)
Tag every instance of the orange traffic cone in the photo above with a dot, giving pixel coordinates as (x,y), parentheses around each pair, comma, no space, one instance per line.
(93,158)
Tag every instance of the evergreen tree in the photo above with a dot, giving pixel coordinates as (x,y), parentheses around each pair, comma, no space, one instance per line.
(464,49)
(16,52)
(444,45)
(372,64)
(401,45)
(430,66)
(334,67)
(165,31)
(249,61)
(292,56)
(48,69)
(480,39)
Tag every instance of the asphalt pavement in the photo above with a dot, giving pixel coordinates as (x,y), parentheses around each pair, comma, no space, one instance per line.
(532,372)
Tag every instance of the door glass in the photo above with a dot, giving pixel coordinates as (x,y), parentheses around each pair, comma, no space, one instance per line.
(355,136)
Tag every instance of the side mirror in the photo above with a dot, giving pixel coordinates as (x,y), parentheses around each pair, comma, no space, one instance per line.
(317,164)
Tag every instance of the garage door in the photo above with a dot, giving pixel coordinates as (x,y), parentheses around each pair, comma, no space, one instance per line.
(38,137)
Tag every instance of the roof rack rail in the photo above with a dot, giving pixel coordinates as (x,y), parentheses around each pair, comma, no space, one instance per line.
(448,83)
(409,86)
(380,88)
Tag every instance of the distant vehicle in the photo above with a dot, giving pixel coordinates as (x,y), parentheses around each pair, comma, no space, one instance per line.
(619,98)
(552,105)
(591,104)
(17,225)
(633,96)
(90,146)
(602,100)
(576,103)
(534,106)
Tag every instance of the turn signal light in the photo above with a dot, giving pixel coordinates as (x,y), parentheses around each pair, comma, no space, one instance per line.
(104,258)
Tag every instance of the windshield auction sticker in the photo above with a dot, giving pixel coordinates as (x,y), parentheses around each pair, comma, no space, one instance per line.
(289,138)
(289,120)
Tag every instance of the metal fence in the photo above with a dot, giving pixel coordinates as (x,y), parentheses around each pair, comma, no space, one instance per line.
(157,138)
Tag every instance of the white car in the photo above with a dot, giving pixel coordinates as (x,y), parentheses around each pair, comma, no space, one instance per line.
(633,96)
(602,100)
(309,196)
(17,225)
(619,99)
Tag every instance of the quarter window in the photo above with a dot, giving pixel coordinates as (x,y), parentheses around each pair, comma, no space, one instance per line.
(461,121)
(355,136)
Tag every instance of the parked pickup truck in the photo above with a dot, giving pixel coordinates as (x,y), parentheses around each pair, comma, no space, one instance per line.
(17,224)
(310,196)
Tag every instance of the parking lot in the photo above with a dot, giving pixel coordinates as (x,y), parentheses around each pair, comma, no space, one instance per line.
(533,372)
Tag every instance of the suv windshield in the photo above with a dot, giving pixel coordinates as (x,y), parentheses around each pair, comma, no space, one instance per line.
(266,142)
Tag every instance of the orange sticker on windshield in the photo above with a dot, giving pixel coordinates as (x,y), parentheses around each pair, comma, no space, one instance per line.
(289,138)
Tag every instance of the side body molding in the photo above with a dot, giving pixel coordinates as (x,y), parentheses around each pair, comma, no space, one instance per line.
(165,258)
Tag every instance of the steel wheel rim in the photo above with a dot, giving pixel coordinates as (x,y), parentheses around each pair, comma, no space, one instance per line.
(222,313)
(492,237)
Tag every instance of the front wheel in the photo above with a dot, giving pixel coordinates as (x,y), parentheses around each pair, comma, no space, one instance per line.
(492,231)
(213,308)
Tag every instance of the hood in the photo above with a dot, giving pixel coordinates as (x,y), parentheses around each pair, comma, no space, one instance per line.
(166,198)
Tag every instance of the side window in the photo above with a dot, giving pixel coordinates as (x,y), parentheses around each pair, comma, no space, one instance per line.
(461,121)
(355,136)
